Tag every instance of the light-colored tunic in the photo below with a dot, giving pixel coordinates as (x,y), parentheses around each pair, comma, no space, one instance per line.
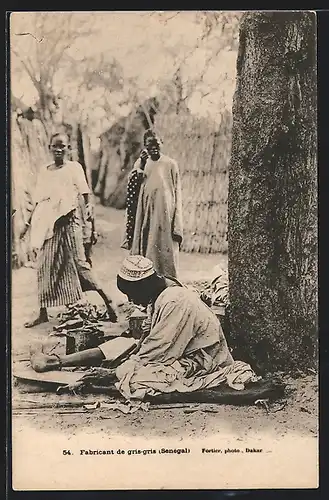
(158,229)
(182,324)
(57,193)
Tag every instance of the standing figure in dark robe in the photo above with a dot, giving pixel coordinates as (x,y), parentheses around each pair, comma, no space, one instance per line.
(154,226)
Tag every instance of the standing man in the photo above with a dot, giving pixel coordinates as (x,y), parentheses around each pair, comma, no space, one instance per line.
(154,225)
(56,236)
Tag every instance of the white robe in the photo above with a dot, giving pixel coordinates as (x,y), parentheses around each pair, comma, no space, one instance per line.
(159,226)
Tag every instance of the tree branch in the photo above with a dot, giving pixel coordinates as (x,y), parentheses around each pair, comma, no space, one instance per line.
(29,71)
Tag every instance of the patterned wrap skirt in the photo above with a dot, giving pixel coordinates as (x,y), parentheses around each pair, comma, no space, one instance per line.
(63,272)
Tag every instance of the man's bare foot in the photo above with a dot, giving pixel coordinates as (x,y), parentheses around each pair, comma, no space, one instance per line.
(38,321)
(44,363)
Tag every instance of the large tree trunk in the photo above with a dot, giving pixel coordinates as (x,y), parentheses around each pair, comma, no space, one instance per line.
(272,226)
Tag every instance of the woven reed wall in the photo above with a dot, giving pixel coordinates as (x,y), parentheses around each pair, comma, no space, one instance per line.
(29,151)
(202,150)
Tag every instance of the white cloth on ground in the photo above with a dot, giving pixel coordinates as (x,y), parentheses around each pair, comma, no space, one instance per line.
(116,347)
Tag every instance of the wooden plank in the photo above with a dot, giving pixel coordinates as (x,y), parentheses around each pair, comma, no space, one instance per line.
(24,372)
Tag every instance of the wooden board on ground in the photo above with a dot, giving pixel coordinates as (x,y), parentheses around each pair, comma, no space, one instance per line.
(23,372)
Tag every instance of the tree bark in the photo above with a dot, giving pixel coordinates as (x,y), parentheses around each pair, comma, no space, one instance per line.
(272,201)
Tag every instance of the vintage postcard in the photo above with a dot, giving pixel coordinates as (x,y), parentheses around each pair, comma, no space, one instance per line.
(164,250)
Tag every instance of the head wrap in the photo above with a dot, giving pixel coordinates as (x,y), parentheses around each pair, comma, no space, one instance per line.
(136,268)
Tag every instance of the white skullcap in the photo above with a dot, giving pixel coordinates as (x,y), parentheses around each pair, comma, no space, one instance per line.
(135,268)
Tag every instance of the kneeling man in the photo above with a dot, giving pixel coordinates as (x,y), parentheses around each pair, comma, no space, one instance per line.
(184,350)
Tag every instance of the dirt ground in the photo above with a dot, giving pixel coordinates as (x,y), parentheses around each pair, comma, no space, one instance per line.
(296,415)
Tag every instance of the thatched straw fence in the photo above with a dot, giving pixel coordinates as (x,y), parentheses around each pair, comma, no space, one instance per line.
(202,151)
(29,151)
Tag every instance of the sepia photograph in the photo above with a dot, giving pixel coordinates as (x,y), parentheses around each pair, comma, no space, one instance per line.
(164,250)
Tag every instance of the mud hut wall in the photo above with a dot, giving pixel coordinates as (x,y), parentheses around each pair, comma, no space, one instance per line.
(119,149)
(202,151)
(29,152)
